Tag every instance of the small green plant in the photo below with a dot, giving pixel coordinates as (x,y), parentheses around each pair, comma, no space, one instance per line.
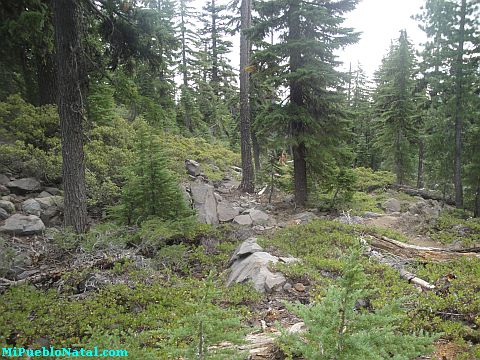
(338,329)
(151,189)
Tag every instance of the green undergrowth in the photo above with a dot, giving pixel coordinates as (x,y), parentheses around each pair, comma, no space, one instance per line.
(215,159)
(158,311)
(163,320)
(456,226)
(321,246)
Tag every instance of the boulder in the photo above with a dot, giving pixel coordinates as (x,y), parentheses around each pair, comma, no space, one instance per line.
(344,219)
(258,217)
(226,211)
(51,216)
(192,167)
(3,214)
(7,206)
(50,201)
(392,205)
(32,207)
(4,190)
(243,220)
(305,217)
(255,268)
(25,185)
(53,190)
(4,179)
(371,215)
(246,248)
(205,202)
(44,194)
(19,224)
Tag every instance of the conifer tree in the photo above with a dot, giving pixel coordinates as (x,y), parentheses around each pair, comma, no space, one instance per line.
(395,108)
(450,64)
(151,189)
(311,117)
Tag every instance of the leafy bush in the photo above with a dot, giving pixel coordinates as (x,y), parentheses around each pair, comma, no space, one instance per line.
(162,321)
(26,160)
(37,126)
(215,158)
(338,329)
(368,180)
(456,225)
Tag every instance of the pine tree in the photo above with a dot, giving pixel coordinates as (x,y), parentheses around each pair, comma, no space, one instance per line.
(450,61)
(151,190)
(312,117)
(395,108)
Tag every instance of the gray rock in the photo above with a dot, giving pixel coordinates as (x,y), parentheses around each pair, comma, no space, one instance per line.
(53,190)
(289,199)
(4,179)
(305,217)
(287,286)
(392,205)
(218,197)
(371,215)
(7,206)
(350,219)
(243,220)
(50,201)
(44,194)
(226,211)
(25,185)
(4,190)
(19,224)
(3,214)
(259,217)
(205,202)
(192,167)
(51,216)
(246,248)
(255,268)
(32,207)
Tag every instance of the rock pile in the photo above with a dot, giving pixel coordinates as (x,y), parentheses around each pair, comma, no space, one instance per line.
(251,263)
(26,207)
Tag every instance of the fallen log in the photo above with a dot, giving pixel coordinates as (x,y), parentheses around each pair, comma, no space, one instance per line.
(413,251)
(426,194)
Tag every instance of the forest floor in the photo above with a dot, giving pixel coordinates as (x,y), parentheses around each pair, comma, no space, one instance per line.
(131,278)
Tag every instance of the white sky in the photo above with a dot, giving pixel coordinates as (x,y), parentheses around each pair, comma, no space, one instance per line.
(380,21)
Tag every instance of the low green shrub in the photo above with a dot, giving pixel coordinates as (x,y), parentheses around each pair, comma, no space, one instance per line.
(337,328)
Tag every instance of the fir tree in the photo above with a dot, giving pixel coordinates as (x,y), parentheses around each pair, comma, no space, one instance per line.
(151,189)
(312,116)
(395,108)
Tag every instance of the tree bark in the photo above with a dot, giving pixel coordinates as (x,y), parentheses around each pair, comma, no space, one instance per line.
(476,211)
(72,83)
(256,151)
(421,157)
(459,109)
(296,97)
(247,184)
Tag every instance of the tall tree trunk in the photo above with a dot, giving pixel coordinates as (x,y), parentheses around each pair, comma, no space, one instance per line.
(296,97)
(476,211)
(256,151)
(72,82)
(459,109)
(421,158)
(247,184)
